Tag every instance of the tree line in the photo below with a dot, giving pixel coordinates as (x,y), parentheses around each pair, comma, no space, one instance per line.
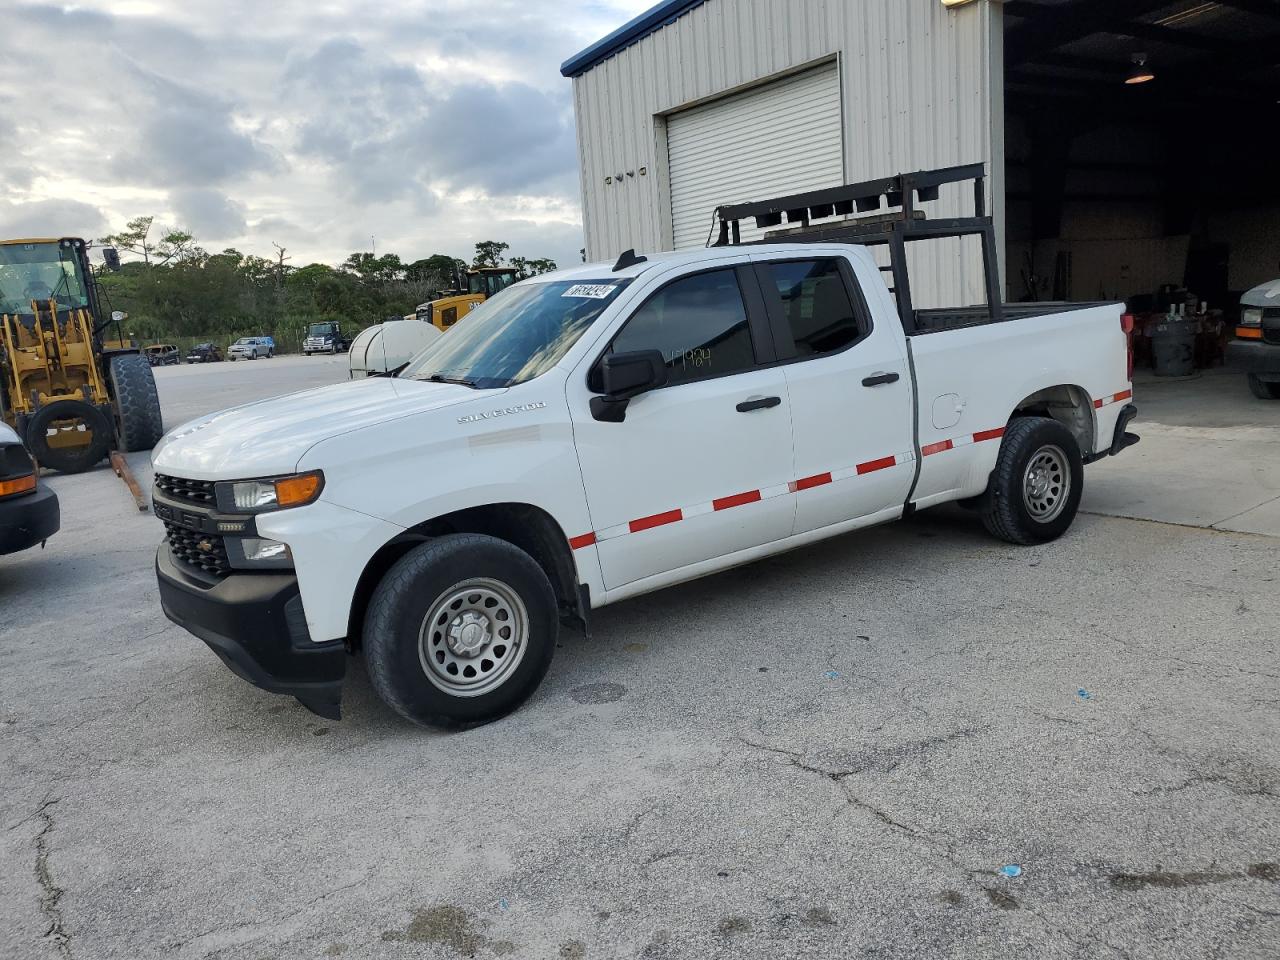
(175,291)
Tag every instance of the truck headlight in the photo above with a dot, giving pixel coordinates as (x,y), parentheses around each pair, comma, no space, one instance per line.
(275,493)
(1251,317)
(257,553)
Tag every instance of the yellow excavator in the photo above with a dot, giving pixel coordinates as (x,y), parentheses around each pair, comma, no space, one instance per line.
(452,305)
(72,394)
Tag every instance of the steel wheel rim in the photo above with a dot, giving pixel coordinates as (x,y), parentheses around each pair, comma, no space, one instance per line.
(473,637)
(1046,484)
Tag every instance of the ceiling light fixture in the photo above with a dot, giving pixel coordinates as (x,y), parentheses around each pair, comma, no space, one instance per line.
(1140,73)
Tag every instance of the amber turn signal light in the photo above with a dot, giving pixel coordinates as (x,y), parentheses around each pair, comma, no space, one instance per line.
(299,490)
(9,488)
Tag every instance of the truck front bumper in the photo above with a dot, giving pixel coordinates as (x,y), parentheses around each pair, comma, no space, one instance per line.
(28,519)
(255,623)
(1258,357)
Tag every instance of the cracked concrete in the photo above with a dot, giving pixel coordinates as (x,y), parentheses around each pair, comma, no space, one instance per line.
(728,799)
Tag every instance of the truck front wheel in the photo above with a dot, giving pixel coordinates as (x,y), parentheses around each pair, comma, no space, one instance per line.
(1035,488)
(460,631)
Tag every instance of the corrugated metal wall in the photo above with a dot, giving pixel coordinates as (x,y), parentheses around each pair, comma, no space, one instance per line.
(918,90)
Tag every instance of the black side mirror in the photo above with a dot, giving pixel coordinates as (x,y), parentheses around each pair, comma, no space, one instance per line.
(627,375)
(111,258)
(623,377)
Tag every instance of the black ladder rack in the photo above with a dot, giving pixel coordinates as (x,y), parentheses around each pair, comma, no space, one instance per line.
(896,228)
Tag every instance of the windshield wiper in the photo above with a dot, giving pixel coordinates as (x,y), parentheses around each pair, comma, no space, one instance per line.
(441,378)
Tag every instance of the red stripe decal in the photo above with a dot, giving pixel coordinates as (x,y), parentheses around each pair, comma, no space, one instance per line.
(939,447)
(810,482)
(1099,404)
(882,464)
(988,435)
(586,540)
(741,499)
(1125,395)
(657,520)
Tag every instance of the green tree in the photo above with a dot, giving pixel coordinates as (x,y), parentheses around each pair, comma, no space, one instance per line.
(489,253)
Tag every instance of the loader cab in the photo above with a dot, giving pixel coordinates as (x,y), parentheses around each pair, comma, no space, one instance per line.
(489,281)
(43,270)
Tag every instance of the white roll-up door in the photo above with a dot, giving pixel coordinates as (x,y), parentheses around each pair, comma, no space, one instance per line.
(781,138)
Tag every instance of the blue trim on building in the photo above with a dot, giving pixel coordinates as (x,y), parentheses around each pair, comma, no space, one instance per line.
(652,20)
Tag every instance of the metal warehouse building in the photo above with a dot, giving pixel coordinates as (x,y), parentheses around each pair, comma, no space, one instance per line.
(1125,140)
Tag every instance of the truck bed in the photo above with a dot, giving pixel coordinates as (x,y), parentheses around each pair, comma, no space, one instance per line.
(939,319)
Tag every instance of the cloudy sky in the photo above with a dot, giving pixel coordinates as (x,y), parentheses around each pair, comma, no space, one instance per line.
(427,124)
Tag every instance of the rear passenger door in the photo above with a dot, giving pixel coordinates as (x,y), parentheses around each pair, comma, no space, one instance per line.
(850,388)
(699,468)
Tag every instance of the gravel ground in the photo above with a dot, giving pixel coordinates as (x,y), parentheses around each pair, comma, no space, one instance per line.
(827,754)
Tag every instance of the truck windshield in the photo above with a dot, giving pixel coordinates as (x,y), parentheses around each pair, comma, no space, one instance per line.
(516,336)
(40,271)
(320,330)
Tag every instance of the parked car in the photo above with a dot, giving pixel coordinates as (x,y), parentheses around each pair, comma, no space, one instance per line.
(29,512)
(205,353)
(161,354)
(610,430)
(325,338)
(1256,349)
(388,346)
(250,348)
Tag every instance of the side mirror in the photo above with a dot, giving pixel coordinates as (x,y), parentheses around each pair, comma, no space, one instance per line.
(627,375)
(111,258)
(118,316)
(623,377)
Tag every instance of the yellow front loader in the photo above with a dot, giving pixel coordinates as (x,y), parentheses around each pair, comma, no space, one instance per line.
(453,305)
(70,393)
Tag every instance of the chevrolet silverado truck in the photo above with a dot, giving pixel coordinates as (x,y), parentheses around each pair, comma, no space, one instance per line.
(29,513)
(605,431)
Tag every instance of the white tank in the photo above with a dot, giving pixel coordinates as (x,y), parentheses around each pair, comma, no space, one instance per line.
(386,346)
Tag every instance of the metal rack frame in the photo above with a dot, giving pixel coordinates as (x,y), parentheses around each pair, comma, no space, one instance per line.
(894,229)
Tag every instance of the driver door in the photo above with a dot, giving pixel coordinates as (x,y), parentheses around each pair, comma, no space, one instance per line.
(698,469)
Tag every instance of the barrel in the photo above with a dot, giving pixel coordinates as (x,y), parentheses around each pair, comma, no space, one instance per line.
(1173,347)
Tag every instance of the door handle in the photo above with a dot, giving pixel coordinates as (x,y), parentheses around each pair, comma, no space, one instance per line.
(759,403)
(880,379)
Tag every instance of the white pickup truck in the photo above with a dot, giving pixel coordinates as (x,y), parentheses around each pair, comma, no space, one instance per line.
(602,432)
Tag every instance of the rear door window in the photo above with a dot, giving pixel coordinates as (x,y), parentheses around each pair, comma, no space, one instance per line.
(699,325)
(812,305)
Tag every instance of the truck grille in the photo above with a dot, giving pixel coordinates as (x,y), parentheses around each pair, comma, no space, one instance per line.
(1271,325)
(204,551)
(199,492)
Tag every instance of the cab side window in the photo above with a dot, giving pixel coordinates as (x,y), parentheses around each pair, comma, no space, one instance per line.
(814,305)
(698,323)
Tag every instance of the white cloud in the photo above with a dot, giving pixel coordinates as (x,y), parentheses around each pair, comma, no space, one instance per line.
(429,124)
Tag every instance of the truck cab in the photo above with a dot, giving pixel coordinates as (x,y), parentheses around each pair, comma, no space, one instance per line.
(1255,352)
(325,338)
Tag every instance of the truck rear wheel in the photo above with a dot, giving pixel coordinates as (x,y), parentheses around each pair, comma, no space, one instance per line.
(138,416)
(1264,389)
(1035,489)
(460,631)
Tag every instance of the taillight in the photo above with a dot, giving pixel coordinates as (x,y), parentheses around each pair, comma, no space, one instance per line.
(1126,324)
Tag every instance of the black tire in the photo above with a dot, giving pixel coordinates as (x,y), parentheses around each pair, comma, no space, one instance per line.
(138,416)
(1264,389)
(424,578)
(1011,510)
(69,459)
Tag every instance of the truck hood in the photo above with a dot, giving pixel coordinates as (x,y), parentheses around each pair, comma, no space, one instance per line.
(1267,295)
(269,437)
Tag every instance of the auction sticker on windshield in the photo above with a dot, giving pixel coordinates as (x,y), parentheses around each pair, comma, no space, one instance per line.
(592,291)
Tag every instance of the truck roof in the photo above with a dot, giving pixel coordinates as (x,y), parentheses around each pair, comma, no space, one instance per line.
(695,255)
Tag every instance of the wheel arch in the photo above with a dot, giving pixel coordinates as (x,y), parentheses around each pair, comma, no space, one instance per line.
(1067,403)
(523,525)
